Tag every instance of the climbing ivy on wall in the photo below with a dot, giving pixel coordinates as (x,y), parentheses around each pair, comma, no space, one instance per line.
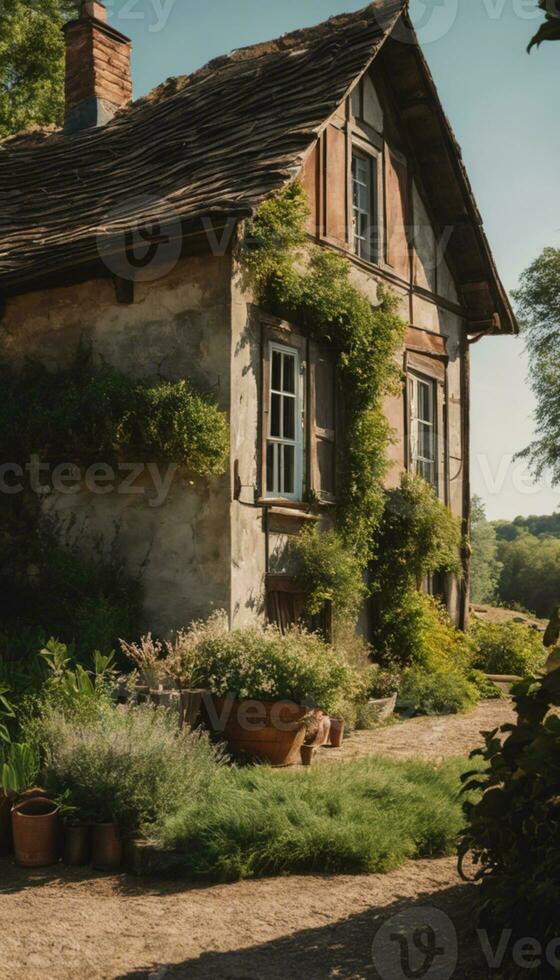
(312,287)
(97,414)
(85,415)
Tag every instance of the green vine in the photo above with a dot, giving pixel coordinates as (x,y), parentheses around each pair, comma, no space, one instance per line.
(312,287)
(86,414)
(417,536)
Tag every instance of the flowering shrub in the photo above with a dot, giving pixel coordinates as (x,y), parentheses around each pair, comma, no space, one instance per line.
(261,664)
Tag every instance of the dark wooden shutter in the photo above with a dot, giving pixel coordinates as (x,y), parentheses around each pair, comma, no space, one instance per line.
(310,179)
(322,419)
(336,185)
(398,255)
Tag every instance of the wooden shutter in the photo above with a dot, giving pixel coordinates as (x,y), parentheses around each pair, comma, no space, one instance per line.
(336,185)
(310,179)
(322,422)
(398,255)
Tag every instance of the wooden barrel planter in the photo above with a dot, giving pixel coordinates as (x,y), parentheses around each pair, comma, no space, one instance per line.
(259,731)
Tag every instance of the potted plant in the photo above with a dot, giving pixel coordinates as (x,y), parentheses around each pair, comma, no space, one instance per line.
(6,712)
(148,657)
(183,664)
(337,732)
(77,843)
(34,817)
(107,852)
(268,688)
(77,834)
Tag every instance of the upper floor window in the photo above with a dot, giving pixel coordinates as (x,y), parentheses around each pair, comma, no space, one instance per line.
(364,183)
(423,427)
(284,450)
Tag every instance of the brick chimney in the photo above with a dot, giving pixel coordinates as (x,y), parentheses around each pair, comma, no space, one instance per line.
(98,79)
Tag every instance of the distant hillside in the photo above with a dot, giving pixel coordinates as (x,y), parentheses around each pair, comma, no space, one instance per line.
(547,526)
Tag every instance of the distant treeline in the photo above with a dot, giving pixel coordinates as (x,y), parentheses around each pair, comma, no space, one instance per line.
(541,527)
(516,563)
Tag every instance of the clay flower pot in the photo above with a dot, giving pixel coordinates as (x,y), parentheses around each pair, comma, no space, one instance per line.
(307,755)
(6,843)
(318,731)
(191,706)
(107,852)
(337,732)
(265,731)
(77,845)
(35,830)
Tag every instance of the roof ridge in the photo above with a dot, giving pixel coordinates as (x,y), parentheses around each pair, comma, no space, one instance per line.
(278,45)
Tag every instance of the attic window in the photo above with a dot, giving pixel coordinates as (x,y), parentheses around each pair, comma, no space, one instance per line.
(364,183)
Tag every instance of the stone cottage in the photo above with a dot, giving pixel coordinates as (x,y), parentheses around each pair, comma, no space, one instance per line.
(349,108)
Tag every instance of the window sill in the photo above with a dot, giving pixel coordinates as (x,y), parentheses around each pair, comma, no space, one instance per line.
(288,520)
(300,505)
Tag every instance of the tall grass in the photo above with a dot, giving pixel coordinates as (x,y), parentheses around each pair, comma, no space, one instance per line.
(361,817)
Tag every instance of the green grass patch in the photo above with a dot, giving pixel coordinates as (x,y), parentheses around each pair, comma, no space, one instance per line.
(352,818)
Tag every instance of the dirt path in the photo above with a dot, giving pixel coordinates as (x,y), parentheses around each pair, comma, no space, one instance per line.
(67,925)
(426,738)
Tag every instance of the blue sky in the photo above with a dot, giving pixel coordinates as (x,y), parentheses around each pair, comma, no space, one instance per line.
(503,105)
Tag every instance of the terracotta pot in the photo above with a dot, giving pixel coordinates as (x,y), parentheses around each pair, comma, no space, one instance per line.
(191,706)
(77,845)
(307,755)
(107,852)
(6,842)
(141,693)
(321,732)
(266,731)
(337,732)
(35,830)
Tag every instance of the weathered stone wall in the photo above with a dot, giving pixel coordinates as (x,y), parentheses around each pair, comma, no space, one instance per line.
(177,327)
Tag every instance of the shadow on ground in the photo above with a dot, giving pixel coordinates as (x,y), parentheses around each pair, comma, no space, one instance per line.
(341,950)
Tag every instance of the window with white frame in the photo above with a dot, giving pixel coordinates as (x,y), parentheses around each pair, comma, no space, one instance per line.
(364,179)
(422,393)
(284,448)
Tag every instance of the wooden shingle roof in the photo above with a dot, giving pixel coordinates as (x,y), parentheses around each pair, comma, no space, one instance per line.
(213,143)
(218,142)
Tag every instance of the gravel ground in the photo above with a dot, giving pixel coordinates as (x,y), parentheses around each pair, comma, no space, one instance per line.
(67,925)
(435,739)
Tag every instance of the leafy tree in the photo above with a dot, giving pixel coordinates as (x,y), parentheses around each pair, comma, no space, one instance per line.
(485,567)
(32,62)
(538,300)
(550,30)
(530,576)
(542,526)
